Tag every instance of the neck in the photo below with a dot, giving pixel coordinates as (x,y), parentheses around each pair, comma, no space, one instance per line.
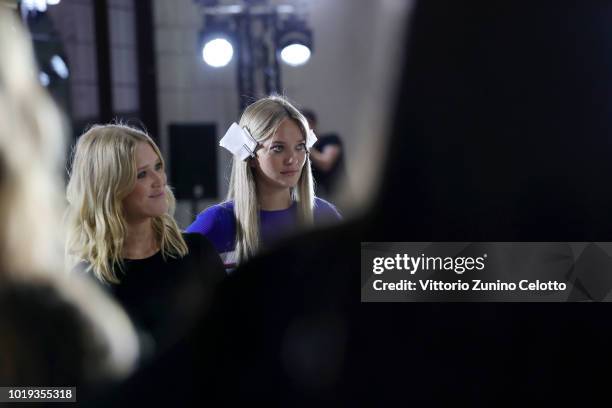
(271,199)
(140,242)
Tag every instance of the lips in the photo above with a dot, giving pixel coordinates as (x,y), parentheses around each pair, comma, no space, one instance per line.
(289,172)
(157,195)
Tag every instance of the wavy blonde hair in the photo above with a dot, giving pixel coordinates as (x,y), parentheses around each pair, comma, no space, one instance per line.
(263,119)
(103,174)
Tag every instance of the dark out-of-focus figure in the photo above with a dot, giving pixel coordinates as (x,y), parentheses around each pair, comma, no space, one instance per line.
(55,331)
(327,156)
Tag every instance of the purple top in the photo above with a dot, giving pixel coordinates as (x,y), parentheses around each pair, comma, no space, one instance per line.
(218,224)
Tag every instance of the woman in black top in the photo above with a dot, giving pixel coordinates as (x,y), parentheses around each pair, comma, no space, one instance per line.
(165,296)
(120,230)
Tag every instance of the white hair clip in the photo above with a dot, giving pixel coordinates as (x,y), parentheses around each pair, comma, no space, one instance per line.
(311,139)
(239,142)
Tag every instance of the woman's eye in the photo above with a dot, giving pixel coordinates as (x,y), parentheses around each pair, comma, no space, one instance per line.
(158,166)
(277,148)
(301,146)
(142,174)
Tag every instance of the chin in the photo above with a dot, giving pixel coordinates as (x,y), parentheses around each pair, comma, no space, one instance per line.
(287,185)
(159,212)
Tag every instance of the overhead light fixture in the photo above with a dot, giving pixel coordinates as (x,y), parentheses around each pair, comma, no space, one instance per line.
(217,42)
(217,52)
(35,5)
(59,66)
(295,43)
(44,78)
(295,54)
(262,34)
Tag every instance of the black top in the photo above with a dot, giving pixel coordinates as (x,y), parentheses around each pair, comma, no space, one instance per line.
(163,297)
(46,338)
(326,181)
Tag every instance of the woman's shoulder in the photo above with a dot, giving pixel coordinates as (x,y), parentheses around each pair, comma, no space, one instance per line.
(215,216)
(222,209)
(218,212)
(325,211)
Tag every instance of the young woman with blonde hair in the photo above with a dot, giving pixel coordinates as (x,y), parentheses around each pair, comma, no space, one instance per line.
(121,231)
(271,191)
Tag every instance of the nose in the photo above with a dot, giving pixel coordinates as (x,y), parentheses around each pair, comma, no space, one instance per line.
(291,158)
(159,179)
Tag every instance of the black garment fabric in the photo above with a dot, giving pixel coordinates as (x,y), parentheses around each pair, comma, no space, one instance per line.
(163,297)
(326,182)
(54,333)
(46,339)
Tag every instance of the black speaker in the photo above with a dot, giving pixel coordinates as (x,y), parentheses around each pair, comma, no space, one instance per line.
(193,160)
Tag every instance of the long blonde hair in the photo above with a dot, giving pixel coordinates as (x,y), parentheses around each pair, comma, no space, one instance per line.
(262,119)
(103,174)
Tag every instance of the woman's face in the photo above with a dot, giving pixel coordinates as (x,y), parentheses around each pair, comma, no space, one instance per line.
(280,158)
(148,198)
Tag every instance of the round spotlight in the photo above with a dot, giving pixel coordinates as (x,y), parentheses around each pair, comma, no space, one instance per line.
(295,54)
(218,52)
(44,79)
(295,42)
(60,67)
